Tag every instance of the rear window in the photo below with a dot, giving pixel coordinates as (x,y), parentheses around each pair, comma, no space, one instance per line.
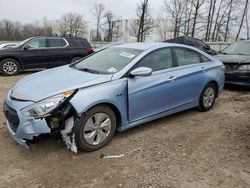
(57,42)
(78,42)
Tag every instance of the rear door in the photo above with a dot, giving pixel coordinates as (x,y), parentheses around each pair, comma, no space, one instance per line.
(191,74)
(57,55)
(34,54)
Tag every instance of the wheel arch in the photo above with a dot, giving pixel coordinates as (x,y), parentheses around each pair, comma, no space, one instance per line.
(216,85)
(115,109)
(13,57)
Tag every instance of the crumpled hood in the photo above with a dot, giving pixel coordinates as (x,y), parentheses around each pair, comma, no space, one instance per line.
(50,82)
(226,58)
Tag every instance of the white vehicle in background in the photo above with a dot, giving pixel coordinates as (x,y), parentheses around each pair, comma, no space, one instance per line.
(8,45)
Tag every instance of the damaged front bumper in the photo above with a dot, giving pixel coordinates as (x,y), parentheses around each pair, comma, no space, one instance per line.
(20,127)
(13,135)
(24,129)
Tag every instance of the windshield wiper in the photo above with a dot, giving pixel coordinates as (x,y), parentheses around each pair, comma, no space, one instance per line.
(89,70)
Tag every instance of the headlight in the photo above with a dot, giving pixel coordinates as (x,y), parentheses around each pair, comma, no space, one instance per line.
(244,68)
(42,108)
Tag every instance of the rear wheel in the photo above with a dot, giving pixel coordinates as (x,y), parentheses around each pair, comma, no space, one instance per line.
(9,67)
(96,129)
(208,97)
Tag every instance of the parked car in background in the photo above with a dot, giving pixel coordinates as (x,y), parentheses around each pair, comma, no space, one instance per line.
(236,58)
(116,88)
(8,45)
(197,43)
(43,52)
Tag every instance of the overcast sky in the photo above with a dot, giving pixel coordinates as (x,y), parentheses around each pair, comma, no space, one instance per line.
(32,10)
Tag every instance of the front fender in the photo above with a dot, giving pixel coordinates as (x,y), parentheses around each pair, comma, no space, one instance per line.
(114,93)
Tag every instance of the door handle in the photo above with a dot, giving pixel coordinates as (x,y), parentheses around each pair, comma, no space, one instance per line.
(203,69)
(172,78)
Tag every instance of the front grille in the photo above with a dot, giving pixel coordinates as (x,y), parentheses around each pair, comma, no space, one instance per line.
(11,116)
(231,67)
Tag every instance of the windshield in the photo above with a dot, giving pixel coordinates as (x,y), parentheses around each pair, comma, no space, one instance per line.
(108,61)
(23,42)
(238,48)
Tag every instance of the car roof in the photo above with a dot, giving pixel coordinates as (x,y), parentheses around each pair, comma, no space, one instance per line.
(142,45)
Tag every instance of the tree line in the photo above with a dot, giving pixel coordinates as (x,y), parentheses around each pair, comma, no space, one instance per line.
(210,20)
(16,31)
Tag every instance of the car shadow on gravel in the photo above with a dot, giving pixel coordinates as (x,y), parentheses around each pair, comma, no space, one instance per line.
(236,88)
(55,143)
(158,123)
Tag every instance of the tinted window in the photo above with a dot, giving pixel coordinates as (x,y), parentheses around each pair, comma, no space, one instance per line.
(57,42)
(79,42)
(187,57)
(108,61)
(37,43)
(158,60)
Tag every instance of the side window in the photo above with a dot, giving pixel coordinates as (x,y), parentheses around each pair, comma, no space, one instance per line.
(37,43)
(57,43)
(157,60)
(187,57)
(204,59)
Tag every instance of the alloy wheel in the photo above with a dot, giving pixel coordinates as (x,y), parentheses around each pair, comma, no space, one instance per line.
(208,97)
(9,67)
(97,128)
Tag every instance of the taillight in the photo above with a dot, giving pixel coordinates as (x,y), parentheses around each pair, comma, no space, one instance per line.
(89,50)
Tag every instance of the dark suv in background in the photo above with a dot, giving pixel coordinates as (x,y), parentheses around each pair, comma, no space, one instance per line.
(43,52)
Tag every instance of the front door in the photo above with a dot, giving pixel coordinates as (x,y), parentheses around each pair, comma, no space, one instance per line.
(153,94)
(34,54)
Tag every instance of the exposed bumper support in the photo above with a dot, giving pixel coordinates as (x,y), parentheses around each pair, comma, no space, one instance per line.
(18,140)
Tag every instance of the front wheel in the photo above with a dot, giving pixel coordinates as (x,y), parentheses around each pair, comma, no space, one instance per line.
(207,97)
(96,128)
(9,67)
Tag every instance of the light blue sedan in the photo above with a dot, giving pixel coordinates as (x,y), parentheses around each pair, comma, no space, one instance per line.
(114,89)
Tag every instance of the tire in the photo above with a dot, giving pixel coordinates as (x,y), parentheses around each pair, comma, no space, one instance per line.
(207,97)
(75,59)
(91,134)
(9,67)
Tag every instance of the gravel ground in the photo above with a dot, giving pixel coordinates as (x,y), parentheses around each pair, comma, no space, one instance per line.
(189,149)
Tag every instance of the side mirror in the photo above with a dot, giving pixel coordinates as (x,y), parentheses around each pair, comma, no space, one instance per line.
(26,47)
(141,71)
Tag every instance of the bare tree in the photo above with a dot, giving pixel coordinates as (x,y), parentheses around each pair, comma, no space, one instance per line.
(110,20)
(144,23)
(72,24)
(228,19)
(98,12)
(116,33)
(197,6)
(247,24)
(242,18)
(175,9)
(163,29)
(209,19)
(7,28)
